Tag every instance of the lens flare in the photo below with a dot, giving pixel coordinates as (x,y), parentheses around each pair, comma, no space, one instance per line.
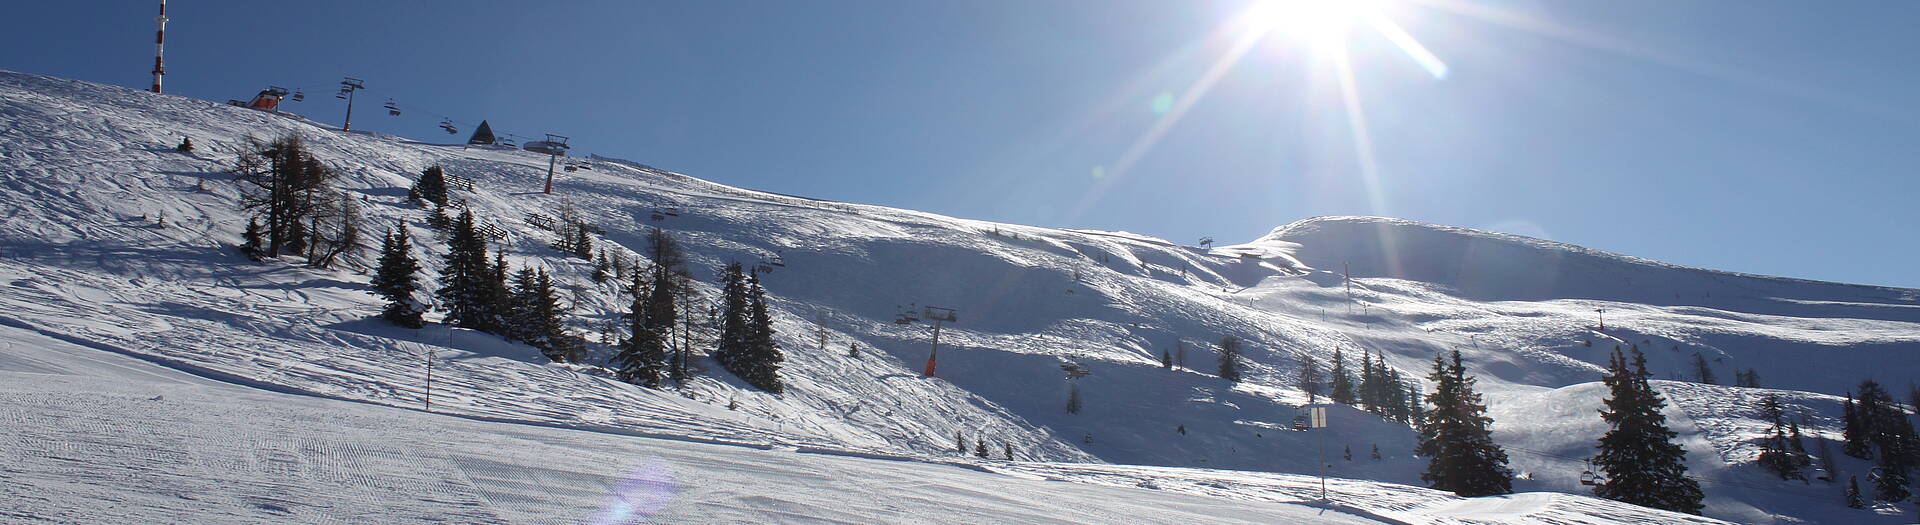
(636,499)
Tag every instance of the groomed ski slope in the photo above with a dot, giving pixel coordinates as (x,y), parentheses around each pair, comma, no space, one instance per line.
(90,170)
(99,437)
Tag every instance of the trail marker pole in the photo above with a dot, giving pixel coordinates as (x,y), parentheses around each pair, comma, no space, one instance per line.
(1318,416)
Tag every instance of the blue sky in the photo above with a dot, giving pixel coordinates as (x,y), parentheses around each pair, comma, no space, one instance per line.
(1765,137)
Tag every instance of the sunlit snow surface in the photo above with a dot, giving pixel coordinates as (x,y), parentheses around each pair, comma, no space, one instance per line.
(89,173)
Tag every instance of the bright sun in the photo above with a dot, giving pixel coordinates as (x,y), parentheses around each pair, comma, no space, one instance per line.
(1316,22)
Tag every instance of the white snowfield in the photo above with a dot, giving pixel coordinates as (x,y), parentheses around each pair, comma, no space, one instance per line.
(90,173)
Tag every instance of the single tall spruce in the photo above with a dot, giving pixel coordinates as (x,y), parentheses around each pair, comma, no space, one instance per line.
(432,186)
(1230,358)
(394,280)
(731,348)
(536,315)
(1342,380)
(1643,465)
(1458,438)
(466,280)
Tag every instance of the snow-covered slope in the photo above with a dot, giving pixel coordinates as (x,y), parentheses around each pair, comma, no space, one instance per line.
(89,171)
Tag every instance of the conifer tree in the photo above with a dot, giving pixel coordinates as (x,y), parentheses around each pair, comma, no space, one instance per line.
(536,315)
(252,240)
(643,355)
(1310,378)
(980,448)
(1166,359)
(1854,499)
(762,365)
(1643,465)
(1073,397)
(1458,436)
(601,268)
(466,279)
(394,280)
(960,441)
(1417,412)
(731,348)
(1369,389)
(499,293)
(432,186)
(1853,431)
(1230,358)
(1342,387)
(1703,371)
(286,186)
(1776,455)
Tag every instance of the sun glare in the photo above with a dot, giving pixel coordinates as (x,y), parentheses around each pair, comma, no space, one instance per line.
(1317,22)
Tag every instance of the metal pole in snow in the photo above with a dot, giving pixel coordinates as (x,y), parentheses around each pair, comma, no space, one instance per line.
(551,159)
(160,47)
(936,349)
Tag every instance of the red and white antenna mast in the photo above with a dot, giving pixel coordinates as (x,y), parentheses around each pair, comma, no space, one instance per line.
(160,47)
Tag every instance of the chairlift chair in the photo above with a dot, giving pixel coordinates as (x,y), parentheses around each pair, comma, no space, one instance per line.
(447,124)
(299,95)
(392,109)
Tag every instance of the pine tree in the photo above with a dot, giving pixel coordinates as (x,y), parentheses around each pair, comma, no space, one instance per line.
(1310,378)
(961,441)
(439,219)
(1008,448)
(1854,499)
(1702,371)
(1376,452)
(394,280)
(1073,397)
(286,186)
(731,348)
(1230,358)
(466,279)
(186,145)
(432,186)
(1883,424)
(1417,412)
(1458,437)
(980,448)
(1853,431)
(1342,391)
(253,246)
(1166,359)
(1643,465)
(1775,454)
(536,316)
(1369,389)
(761,368)
(1891,485)
(601,268)
(643,355)
(499,296)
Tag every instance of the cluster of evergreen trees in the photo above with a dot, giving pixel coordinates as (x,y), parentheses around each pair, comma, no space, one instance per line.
(1378,389)
(479,294)
(1641,463)
(661,294)
(1782,451)
(1877,428)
